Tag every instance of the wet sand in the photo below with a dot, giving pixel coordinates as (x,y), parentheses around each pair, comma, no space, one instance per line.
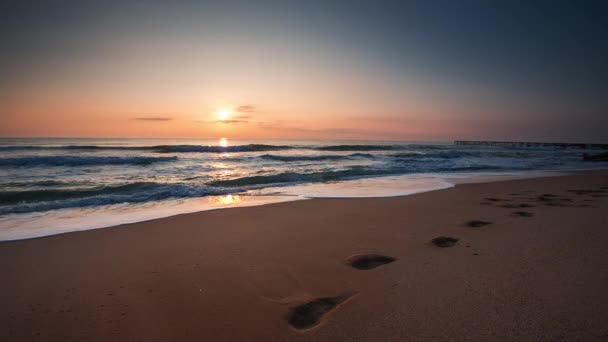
(520,260)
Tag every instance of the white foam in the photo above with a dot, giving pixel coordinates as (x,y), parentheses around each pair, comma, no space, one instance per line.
(32,225)
(24,226)
(367,187)
(391,186)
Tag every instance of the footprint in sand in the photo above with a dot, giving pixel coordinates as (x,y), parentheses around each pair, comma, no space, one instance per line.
(557,204)
(514,206)
(444,241)
(493,199)
(478,223)
(369,261)
(523,214)
(308,315)
(553,200)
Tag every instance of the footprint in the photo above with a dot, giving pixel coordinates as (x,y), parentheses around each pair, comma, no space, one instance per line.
(369,261)
(478,223)
(444,241)
(557,204)
(514,206)
(493,199)
(523,214)
(308,315)
(549,198)
(545,198)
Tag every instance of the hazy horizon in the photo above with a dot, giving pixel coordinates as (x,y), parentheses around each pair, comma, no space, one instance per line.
(232,141)
(320,70)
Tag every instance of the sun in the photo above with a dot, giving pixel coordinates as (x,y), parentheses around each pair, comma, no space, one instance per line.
(223,114)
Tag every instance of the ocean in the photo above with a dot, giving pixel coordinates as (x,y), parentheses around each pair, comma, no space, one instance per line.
(50,186)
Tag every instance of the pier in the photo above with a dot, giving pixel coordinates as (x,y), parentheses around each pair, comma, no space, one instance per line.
(530,144)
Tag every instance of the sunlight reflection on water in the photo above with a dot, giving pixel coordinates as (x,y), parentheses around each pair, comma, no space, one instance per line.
(225,200)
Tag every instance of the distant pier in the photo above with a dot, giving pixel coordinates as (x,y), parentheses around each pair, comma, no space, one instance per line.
(530,144)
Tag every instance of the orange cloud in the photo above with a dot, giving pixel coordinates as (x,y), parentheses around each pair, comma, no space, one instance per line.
(245,109)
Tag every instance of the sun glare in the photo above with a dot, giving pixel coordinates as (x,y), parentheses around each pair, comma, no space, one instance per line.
(223,114)
(228,199)
(223,142)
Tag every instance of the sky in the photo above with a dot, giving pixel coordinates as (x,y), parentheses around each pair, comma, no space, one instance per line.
(365,70)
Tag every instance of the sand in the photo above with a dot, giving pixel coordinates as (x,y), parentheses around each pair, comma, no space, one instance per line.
(535,270)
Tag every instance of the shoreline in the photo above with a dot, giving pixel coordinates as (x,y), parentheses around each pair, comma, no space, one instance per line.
(166,209)
(242,274)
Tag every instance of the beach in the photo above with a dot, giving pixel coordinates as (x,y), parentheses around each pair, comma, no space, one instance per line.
(530,264)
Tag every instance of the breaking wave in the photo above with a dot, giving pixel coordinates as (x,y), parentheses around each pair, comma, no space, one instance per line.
(359,148)
(80,160)
(43,200)
(295,158)
(328,176)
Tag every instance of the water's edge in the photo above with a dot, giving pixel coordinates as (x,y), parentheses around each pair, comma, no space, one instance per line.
(118,217)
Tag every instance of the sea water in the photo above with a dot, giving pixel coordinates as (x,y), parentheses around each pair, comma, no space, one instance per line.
(50,186)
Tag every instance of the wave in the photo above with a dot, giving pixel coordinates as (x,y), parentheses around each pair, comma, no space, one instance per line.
(14,197)
(156,148)
(43,200)
(358,148)
(41,183)
(315,158)
(80,160)
(351,173)
(451,154)
(413,155)
(295,177)
(38,200)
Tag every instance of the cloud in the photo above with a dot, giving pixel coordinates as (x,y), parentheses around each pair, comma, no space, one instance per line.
(153,118)
(245,109)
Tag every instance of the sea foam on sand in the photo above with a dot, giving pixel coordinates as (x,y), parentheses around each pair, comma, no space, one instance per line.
(32,225)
